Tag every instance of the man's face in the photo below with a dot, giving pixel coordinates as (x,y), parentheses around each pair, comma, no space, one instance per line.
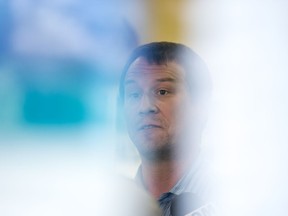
(156,100)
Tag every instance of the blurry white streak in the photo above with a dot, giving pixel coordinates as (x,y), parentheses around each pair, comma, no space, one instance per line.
(45,175)
(58,189)
(245,46)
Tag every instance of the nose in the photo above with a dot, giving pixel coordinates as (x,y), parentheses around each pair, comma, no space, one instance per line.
(147,105)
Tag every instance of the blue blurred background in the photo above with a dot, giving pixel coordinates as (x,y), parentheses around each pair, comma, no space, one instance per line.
(60,61)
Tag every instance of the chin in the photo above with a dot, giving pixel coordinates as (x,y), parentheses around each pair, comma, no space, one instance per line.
(163,153)
(154,150)
(150,141)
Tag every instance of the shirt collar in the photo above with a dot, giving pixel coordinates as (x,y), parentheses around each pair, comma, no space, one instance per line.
(182,184)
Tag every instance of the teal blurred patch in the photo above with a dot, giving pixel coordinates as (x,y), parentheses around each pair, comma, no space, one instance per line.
(63,93)
(53,108)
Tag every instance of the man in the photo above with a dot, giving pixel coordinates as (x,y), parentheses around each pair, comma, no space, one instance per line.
(163,89)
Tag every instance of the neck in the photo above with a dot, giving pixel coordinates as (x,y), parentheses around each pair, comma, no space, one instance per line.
(160,176)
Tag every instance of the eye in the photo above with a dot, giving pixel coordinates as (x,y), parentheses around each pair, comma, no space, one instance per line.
(133,95)
(163,92)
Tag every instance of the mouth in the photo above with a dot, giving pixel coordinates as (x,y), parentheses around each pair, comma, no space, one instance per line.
(149,126)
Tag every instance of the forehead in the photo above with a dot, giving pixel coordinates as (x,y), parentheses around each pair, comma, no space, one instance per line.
(141,69)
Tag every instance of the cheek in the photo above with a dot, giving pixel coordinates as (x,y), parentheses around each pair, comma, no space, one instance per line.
(129,115)
(177,113)
(170,113)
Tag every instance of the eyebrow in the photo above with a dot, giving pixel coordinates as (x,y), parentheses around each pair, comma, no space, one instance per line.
(166,80)
(129,82)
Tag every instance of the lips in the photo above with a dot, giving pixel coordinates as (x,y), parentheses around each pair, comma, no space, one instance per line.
(148,126)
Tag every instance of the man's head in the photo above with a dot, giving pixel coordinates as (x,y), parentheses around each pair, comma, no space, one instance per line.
(161,90)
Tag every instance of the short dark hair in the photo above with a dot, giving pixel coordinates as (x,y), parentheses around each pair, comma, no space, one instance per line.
(164,52)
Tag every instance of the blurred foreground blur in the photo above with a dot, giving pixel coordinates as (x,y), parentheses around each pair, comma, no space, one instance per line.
(60,62)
